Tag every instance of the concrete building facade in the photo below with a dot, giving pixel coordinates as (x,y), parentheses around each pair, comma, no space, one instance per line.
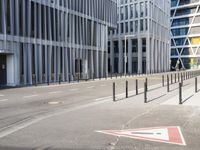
(145,26)
(185,34)
(47,40)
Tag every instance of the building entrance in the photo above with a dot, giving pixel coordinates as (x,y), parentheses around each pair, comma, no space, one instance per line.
(3,70)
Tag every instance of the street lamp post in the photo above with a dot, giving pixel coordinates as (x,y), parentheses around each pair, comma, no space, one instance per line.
(125,53)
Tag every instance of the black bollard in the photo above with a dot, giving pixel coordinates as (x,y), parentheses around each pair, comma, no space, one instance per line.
(181,78)
(180,93)
(175,77)
(126,89)
(114,98)
(146,80)
(178,77)
(145,92)
(136,86)
(163,80)
(171,78)
(196,88)
(184,76)
(167,83)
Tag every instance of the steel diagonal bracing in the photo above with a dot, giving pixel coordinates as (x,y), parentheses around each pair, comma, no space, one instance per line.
(187,43)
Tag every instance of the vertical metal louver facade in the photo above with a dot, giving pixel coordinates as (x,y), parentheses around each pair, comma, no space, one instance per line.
(141,44)
(185,34)
(44,40)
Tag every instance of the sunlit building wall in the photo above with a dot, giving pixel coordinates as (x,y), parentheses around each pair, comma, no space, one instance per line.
(45,41)
(145,24)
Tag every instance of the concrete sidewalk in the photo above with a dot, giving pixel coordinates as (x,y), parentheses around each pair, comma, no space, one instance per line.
(189,97)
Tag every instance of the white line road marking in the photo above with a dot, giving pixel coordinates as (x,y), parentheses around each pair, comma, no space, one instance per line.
(1,95)
(30,96)
(90,87)
(102,85)
(73,89)
(3,100)
(103,98)
(56,92)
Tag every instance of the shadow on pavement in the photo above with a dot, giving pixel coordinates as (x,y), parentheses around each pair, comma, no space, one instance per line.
(156,98)
(187,99)
(178,87)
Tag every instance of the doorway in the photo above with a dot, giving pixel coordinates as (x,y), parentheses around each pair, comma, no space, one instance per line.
(78,68)
(3,70)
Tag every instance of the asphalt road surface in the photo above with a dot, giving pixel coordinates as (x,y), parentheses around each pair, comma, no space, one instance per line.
(67,116)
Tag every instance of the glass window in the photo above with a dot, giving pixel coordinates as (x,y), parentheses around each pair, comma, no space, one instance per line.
(136,26)
(142,9)
(141,25)
(136,10)
(126,24)
(1,18)
(131,26)
(122,13)
(126,12)
(131,11)
(134,46)
(122,27)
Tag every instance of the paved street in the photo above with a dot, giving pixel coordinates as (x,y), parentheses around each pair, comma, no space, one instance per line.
(68,116)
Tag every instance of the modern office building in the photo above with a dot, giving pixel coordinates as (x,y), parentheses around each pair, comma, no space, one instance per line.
(145,26)
(185,34)
(47,40)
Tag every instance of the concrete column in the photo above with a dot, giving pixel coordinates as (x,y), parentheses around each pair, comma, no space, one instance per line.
(130,69)
(29,61)
(139,55)
(159,56)
(96,64)
(156,55)
(49,63)
(148,55)
(10,70)
(17,66)
(92,63)
(39,64)
(25,62)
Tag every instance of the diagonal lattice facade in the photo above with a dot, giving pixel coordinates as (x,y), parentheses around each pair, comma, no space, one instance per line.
(185,34)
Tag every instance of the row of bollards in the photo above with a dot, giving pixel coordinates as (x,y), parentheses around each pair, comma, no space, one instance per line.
(180,77)
(184,76)
(127,89)
(181,90)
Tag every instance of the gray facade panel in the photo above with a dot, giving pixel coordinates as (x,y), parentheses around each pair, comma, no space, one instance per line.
(49,40)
